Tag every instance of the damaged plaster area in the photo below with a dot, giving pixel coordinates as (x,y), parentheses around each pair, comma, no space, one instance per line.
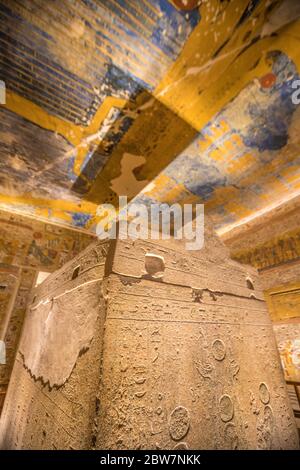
(154,265)
(127,183)
(60,329)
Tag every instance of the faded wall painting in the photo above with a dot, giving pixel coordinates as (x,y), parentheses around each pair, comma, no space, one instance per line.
(288,341)
(284,301)
(116,91)
(27,246)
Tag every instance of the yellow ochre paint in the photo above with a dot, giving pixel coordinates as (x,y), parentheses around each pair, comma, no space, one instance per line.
(222,82)
(74,134)
(199,84)
(59,208)
(171,192)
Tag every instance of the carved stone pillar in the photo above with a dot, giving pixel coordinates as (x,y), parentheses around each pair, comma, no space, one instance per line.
(144,345)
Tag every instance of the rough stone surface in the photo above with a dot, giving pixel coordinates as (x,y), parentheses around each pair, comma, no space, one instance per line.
(27,246)
(270,243)
(184,360)
(51,401)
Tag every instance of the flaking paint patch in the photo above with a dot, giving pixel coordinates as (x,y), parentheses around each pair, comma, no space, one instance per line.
(61,328)
(126,183)
(221,46)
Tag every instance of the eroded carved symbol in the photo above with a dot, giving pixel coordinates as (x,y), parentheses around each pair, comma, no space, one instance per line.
(265,429)
(253,404)
(181,446)
(226,408)
(231,436)
(179,423)
(268,415)
(264,393)
(205,369)
(234,367)
(218,350)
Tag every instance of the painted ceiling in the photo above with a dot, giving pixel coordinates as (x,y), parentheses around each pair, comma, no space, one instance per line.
(160,100)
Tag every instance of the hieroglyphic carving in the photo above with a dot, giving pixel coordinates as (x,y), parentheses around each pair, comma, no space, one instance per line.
(265,429)
(231,436)
(264,393)
(219,350)
(195,343)
(174,372)
(234,367)
(226,408)
(179,423)
(205,369)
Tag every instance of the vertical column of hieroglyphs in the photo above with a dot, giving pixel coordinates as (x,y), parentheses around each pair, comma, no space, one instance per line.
(189,357)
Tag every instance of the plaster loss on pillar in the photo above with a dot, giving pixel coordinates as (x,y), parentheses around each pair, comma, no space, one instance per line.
(51,397)
(144,345)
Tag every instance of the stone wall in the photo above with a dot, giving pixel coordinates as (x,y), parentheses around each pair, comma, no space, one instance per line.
(27,246)
(145,345)
(271,243)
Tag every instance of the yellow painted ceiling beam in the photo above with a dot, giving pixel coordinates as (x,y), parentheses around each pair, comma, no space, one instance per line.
(199,85)
(78,136)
